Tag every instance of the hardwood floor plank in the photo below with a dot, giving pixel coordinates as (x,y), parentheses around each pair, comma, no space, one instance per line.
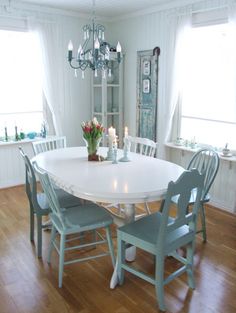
(30,285)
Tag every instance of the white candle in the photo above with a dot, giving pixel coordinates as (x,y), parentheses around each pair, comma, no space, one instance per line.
(112,132)
(126,131)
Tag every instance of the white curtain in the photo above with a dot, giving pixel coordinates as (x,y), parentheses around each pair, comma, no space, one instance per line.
(49,40)
(179,23)
(232,21)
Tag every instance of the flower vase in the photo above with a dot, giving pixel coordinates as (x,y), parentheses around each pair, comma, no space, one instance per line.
(92,145)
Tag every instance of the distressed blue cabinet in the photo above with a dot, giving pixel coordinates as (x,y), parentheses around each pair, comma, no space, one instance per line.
(147,93)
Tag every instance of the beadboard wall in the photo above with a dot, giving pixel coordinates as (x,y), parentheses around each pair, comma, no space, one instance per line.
(223,190)
(12,165)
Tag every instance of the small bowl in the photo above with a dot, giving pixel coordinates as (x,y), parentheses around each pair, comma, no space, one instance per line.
(31,135)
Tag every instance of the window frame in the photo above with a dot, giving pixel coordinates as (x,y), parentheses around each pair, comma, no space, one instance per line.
(202,19)
(18,25)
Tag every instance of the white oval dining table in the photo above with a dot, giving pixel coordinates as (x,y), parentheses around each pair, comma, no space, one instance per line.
(143,179)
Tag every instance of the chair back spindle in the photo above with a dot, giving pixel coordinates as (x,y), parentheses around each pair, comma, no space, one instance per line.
(143,146)
(206,161)
(49,144)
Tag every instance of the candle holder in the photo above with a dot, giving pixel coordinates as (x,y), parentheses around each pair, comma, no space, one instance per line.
(110,149)
(115,155)
(110,152)
(125,157)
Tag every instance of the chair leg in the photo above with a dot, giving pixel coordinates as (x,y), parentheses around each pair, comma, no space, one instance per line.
(190,253)
(162,205)
(53,235)
(61,259)
(147,208)
(110,245)
(159,284)
(203,221)
(31,222)
(120,259)
(39,236)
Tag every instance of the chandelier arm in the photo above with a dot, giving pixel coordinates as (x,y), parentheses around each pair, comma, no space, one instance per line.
(73,66)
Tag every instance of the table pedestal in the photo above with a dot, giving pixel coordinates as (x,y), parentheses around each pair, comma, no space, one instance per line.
(130,254)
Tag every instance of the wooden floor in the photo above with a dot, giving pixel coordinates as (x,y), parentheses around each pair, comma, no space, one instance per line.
(29,284)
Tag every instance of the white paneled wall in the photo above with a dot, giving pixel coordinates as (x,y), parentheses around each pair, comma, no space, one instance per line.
(12,171)
(223,190)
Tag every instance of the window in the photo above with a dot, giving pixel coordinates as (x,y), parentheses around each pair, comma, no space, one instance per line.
(208,111)
(21,82)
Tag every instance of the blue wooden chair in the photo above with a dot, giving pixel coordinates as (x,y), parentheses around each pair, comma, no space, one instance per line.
(161,235)
(38,202)
(207,162)
(75,220)
(49,144)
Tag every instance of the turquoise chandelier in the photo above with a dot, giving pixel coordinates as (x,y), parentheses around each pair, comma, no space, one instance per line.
(95,52)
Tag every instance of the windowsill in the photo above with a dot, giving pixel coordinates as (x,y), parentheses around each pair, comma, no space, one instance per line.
(193,150)
(22,141)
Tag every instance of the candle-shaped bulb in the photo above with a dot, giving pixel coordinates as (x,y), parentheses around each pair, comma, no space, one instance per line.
(70,50)
(118,47)
(96,44)
(70,46)
(104,75)
(118,50)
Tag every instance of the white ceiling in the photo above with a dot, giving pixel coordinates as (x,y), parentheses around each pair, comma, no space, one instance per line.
(106,8)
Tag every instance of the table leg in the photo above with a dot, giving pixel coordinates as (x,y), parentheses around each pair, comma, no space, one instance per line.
(129,211)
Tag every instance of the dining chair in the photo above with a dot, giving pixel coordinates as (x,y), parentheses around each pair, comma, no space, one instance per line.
(207,162)
(161,235)
(38,204)
(49,144)
(72,221)
(143,146)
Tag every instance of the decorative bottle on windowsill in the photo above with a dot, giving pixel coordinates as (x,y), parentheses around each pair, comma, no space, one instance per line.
(17,137)
(44,130)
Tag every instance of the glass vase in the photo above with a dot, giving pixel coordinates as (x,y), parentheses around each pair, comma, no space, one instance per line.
(92,145)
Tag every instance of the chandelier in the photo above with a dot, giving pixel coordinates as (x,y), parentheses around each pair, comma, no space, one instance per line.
(95,52)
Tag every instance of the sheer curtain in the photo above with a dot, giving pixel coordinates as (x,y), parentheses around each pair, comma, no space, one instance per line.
(178,27)
(232,21)
(49,41)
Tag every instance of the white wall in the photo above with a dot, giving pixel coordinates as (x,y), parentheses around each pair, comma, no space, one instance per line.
(140,33)
(76,104)
(145,32)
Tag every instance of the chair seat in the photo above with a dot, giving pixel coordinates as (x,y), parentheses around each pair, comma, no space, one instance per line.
(65,200)
(146,231)
(82,218)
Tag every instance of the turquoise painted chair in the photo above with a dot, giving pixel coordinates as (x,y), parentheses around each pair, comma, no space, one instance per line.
(207,162)
(162,236)
(75,220)
(38,202)
(143,146)
(49,144)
